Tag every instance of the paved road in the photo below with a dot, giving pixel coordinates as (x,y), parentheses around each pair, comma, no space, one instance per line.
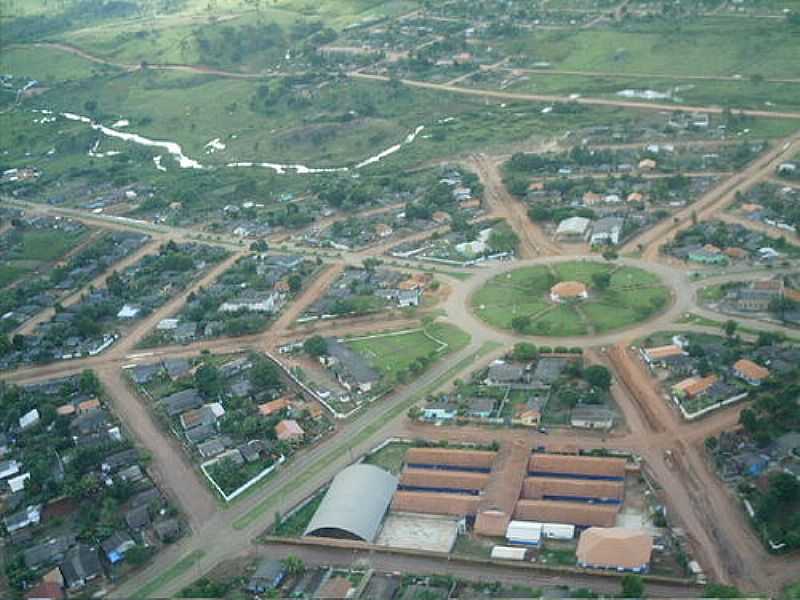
(722,541)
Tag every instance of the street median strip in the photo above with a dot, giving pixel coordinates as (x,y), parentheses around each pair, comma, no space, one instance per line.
(176,570)
(265,505)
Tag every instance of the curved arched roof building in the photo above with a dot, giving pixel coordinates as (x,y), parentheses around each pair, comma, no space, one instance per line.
(354,505)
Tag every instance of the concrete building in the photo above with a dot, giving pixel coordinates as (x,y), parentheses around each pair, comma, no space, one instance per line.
(607,231)
(354,505)
(574,229)
(591,417)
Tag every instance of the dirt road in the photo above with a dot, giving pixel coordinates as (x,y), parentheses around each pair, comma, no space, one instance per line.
(522,97)
(98,282)
(716,199)
(169,466)
(533,241)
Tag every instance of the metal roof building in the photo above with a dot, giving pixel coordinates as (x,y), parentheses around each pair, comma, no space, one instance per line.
(354,505)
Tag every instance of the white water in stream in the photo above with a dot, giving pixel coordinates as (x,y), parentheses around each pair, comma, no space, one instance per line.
(185,162)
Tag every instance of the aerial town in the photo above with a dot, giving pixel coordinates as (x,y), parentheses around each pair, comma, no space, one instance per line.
(399,299)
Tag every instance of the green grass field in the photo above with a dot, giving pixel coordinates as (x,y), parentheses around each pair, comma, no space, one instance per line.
(706,46)
(48,66)
(632,295)
(33,250)
(44,246)
(389,457)
(391,354)
(792,592)
(10,273)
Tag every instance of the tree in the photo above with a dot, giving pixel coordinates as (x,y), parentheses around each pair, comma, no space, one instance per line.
(88,383)
(208,380)
(503,240)
(18,341)
(610,254)
(598,376)
(294,565)
(138,555)
(717,590)
(632,586)
(521,323)
(730,327)
(295,283)
(259,246)
(5,345)
(264,374)
(524,351)
(601,280)
(371,263)
(316,346)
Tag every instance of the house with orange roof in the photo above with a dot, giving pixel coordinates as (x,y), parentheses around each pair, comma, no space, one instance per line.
(647,164)
(275,406)
(440,217)
(751,372)
(88,405)
(693,387)
(615,548)
(635,197)
(591,198)
(735,253)
(289,430)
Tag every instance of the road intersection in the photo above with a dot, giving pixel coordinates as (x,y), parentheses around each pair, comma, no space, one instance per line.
(719,535)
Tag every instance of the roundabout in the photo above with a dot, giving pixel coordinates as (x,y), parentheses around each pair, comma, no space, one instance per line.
(570,298)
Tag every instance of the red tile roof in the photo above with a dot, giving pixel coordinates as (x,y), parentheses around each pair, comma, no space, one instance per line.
(577,465)
(435,503)
(573,513)
(535,488)
(455,458)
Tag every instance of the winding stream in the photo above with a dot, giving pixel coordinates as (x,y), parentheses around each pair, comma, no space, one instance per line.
(186,162)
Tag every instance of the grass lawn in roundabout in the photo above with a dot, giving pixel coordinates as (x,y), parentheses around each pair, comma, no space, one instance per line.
(618,296)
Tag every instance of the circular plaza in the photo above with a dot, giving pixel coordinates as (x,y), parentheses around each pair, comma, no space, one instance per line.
(572,298)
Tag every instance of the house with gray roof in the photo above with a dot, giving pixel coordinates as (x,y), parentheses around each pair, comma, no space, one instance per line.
(503,373)
(351,369)
(80,566)
(181,401)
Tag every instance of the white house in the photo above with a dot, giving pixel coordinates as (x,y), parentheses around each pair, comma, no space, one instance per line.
(409,298)
(266,303)
(167,324)
(607,231)
(573,228)
(128,312)
(8,468)
(29,419)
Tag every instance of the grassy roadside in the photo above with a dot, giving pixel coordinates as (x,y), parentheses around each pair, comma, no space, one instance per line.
(267,503)
(176,570)
(694,319)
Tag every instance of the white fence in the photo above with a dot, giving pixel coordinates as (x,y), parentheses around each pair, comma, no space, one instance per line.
(244,487)
(704,411)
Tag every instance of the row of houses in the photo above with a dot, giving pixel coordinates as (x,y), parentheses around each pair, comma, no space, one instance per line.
(77,423)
